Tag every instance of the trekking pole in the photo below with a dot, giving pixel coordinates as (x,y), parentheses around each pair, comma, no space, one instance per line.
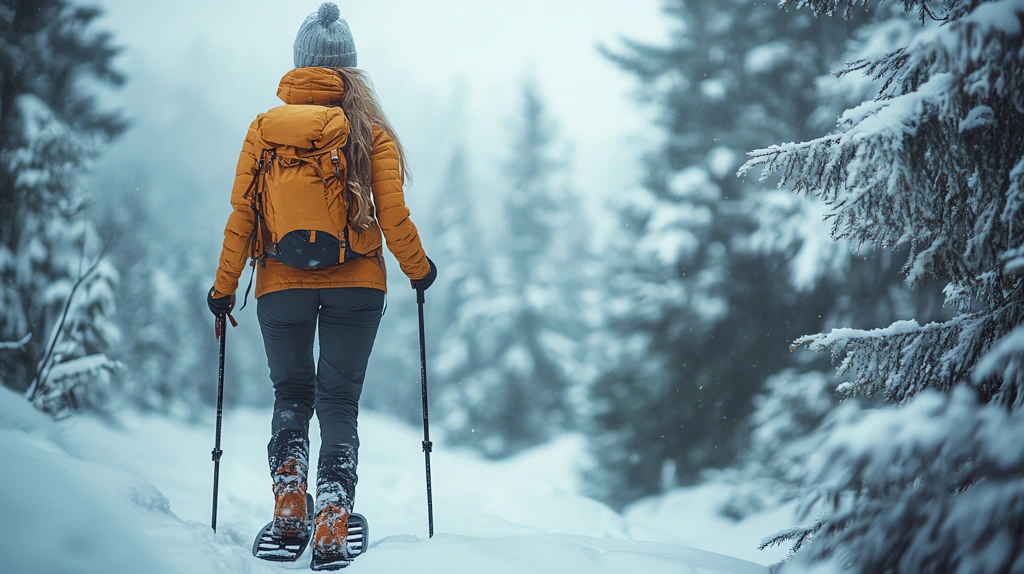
(427,445)
(222,331)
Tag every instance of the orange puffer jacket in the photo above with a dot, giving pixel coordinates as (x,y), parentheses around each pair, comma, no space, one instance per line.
(322,87)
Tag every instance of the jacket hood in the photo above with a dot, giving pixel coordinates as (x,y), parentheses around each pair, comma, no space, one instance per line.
(317,86)
(311,118)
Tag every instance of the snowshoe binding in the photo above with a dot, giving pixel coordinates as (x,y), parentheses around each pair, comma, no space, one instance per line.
(273,545)
(339,537)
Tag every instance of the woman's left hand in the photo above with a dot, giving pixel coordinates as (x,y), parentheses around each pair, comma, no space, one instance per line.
(220,305)
(426,282)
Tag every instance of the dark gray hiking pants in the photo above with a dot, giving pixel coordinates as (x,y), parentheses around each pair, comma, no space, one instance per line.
(348,320)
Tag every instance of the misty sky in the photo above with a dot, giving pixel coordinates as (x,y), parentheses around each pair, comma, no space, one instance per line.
(447,72)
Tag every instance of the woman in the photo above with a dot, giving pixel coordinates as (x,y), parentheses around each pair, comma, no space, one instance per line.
(289,156)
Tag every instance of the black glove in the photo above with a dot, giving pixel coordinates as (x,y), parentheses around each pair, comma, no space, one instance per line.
(426,282)
(220,305)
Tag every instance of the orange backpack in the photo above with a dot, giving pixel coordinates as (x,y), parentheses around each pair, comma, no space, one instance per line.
(299,193)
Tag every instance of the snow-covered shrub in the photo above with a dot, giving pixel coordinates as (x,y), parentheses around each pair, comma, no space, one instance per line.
(792,404)
(933,486)
(786,413)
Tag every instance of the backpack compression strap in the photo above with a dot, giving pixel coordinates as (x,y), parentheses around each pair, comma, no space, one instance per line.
(255,196)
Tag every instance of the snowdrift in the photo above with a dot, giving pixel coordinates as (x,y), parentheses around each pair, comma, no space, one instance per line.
(83,497)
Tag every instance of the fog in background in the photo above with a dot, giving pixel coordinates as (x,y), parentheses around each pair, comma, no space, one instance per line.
(626,340)
(447,72)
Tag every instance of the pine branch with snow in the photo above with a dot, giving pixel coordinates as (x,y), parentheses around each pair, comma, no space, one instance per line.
(926,9)
(933,486)
(936,162)
(14,345)
(933,163)
(796,537)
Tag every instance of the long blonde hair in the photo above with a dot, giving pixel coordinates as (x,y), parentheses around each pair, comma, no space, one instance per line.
(363,110)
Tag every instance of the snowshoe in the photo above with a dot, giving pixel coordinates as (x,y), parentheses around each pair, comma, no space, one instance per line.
(356,542)
(269,546)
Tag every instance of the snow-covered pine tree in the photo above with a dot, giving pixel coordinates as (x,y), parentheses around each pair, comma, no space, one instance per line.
(51,127)
(456,241)
(510,389)
(792,405)
(935,162)
(171,358)
(868,286)
(456,238)
(866,283)
(693,306)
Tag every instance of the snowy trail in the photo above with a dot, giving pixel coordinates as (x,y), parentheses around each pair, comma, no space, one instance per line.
(137,499)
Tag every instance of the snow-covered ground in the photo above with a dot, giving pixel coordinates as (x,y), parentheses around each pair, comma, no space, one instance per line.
(82,496)
(691,516)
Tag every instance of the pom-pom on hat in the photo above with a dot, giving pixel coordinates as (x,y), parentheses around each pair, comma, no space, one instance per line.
(324,40)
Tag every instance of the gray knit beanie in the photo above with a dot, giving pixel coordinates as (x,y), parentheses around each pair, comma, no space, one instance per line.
(324,41)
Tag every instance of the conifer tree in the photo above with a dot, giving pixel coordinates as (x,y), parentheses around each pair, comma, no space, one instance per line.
(456,241)
(934,162)
(693,302)
(56,293)
(171,353)
(457,247)
(510,386)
